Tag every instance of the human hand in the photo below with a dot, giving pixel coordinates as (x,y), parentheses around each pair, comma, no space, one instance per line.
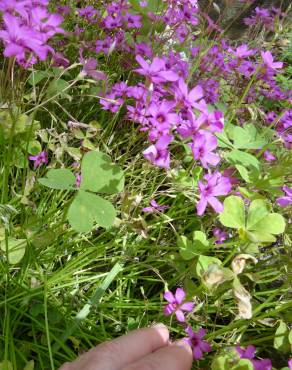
(143,349)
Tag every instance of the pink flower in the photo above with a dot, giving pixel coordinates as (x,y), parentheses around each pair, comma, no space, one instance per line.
(249,353)
(202,147)
(216,185)
(269,157)
(287,199)
(195,340)
(176,304)
(154,207)
(219,235)
(268,61)
(188,98)
(155,71)
(158,153)
(39,159)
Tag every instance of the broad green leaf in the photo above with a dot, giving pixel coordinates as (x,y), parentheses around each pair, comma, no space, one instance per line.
(37,76)
(100,175)
(59,179)
(281,340)
(29,365)
(243,158)
(34,147)
(87,208)
(6,365)
(243,364)
(273,223)
(186,247)
(190,249)
(247,137)
(260,237)
(244,173)
(233,214)
(57,87)
(203,264)
(16,249)
(257,211)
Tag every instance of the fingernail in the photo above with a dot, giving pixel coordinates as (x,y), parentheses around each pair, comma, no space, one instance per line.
(159,326)
(181,343)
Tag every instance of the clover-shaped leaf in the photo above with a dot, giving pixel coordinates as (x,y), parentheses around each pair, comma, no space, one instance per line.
(88,208)
(15,249)
(61,179)
(233,214)
(189,249)
(259,226)
(100,175)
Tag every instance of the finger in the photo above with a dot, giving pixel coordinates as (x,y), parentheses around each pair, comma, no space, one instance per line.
(122,351)
(177,356)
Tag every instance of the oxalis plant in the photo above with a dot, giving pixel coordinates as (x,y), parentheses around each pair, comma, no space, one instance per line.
(98,175)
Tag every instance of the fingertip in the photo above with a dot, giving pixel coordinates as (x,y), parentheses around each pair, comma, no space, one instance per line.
(161,330)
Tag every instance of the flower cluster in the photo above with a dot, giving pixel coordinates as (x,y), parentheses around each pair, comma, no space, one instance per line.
(177,305)
(27,28)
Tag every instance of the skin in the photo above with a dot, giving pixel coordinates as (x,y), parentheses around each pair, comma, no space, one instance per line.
(143,349)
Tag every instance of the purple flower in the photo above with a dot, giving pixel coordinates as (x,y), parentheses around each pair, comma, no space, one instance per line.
(133,20)
(154,207)
(160,114)
(242,51)
(287,199)
(158,153)
(216,185)
(109,102)
(185,97)
(268,60)
(249,353)
(89,69)
(39,159)
(155,71)
(202,146)
(195,340)
(219,235)
(290,364)
(78,179)
(176,304)
(269,157)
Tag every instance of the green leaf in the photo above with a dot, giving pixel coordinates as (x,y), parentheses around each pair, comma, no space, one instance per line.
(100,175)
(243,364)
(257,211)
(186,247)
(6,365)
(281,340)
(34,147)
(273,223)
(57,87)
(16,249)
(260,237)
(37,76)
(29,365)
(233,214)
(203,264)
(59,179)
(87,208)
(243,158)
(247,137)
(190,249)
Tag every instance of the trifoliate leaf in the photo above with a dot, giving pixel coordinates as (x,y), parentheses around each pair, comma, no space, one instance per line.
(100,175)
(257,211)
(281,340)
(233,214)
(87,208)
(61,179)
(16,249)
